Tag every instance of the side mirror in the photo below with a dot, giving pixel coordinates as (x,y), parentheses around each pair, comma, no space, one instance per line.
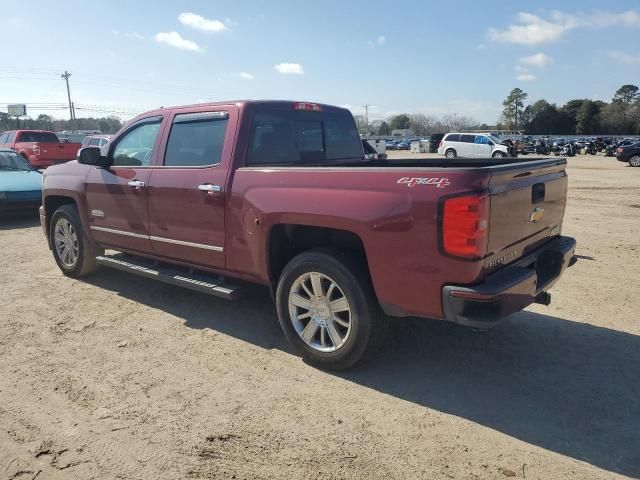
(92,156)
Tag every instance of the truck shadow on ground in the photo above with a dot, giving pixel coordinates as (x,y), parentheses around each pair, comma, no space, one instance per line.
(22,220)
(565,386)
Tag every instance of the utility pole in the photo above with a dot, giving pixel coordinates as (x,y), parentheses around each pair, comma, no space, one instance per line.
(66,76)
(366,118)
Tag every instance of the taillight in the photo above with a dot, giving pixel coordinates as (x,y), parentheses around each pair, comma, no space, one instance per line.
(440,144)
(311,107)
(620,150)
(465,226)
(35,149)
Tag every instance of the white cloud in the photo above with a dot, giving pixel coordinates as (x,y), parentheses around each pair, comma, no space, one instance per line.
(526,77)
(381,40)
(481,46)
(534,30)
(537,60)
(175,40)
(230,23)
(625,58)
(246,76)
(198,22)
(135,35)
(289,68)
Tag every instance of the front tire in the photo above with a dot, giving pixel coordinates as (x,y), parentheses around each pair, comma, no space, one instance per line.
(72,250)
(498,155)
(635,161)
(328,311)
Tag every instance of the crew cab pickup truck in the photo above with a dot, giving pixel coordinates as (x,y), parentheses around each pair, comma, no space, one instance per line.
(213,196)
(40,148)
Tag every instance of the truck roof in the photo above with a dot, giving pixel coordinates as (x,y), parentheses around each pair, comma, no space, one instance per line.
(239,103)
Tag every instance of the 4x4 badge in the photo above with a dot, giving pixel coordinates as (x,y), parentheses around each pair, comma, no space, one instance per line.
(413,181)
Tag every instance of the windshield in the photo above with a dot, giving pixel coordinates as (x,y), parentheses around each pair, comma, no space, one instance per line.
(13,161)
(495,140)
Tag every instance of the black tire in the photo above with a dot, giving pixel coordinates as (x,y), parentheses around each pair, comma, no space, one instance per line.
(368,323)
(635,161)
(498,155)
(85,262)
(450,153)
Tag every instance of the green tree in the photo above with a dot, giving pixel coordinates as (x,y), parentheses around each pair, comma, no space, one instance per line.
(588,118)
(384,128)
(571,108)
(400,122)
(627,94)
(513,106)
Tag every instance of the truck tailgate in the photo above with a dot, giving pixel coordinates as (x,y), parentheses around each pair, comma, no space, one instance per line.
(527,203)
(58,151)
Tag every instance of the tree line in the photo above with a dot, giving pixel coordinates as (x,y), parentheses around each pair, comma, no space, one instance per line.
(620,116)
(107,125)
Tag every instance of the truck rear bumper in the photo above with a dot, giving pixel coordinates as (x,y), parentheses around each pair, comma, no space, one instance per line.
(510,289)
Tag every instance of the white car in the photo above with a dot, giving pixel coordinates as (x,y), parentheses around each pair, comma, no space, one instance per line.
(470,145)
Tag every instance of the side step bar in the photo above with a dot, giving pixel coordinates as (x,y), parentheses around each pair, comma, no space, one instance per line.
(199,282)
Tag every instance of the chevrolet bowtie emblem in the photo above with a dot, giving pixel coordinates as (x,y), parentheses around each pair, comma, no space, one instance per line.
(536,215)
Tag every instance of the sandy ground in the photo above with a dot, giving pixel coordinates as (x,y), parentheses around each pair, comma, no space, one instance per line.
(122,377)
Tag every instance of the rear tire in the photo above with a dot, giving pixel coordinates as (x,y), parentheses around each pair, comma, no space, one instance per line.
(328,311)
(72,250)
(451,153)
(635,161)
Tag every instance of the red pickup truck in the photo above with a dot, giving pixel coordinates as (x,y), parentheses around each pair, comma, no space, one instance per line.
(212,196)
(38,147)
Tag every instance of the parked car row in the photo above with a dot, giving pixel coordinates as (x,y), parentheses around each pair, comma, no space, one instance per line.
(41,148)
(405,143)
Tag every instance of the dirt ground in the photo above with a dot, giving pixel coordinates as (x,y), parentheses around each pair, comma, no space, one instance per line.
(122,377)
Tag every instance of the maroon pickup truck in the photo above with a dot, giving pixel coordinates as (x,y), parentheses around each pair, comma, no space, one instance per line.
(212,196)
(38,147)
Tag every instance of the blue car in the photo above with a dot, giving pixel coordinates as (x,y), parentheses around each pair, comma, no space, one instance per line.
(20,183)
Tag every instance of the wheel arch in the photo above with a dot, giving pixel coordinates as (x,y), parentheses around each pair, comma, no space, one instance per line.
(286,240)
(51,204)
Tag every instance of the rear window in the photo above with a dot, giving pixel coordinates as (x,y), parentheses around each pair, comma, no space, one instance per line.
(467,138)
(452,137)
(302,137)
(42,137)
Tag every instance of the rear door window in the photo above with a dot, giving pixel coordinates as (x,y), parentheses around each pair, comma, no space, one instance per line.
(196,139)
(303,137)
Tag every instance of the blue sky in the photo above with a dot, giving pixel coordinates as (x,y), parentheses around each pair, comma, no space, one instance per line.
(461,57)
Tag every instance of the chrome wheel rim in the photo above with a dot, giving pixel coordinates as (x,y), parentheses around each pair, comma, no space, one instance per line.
(635,161)
(450,154)
(65,240)
(320,312)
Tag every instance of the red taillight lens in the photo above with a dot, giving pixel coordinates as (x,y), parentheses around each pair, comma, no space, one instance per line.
(440,144)
(36,149)
(620,150)
(465,226)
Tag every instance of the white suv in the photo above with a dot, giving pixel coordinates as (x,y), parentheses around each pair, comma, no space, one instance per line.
(472,145)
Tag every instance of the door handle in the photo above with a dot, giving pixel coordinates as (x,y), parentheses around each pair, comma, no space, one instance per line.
(136,183)
(208,188)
